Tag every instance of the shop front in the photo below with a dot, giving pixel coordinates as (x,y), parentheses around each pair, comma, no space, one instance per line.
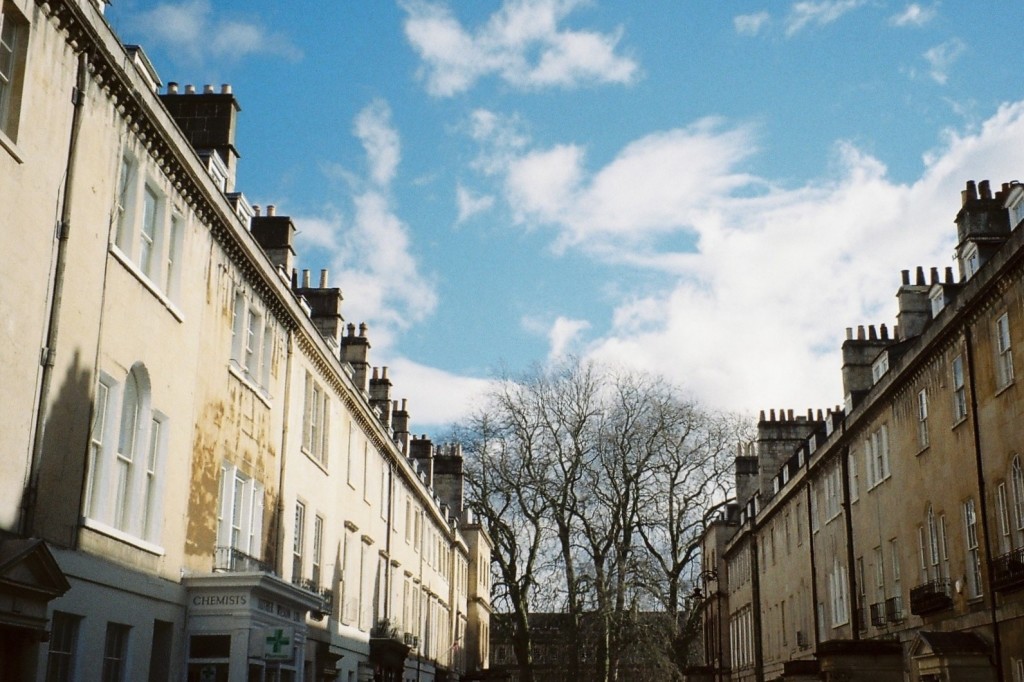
(247,627)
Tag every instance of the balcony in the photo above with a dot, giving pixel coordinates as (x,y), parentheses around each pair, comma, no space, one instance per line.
(231,560)
(878,615)
(306,584)
(894,609)
(930,597)
(1008,571)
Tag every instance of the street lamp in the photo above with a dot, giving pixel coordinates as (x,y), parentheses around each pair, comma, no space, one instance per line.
(712,635)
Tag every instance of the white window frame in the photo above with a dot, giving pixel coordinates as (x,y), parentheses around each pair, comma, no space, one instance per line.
(1003,516)
(240,521)
(973,554)
(318,548)
(252,338)
(127,452)
(922,418)
(316,415)
(298,541)
(14,32)
(971,260)
(959,390)
(1004,352)
(879,367)
(1017,483)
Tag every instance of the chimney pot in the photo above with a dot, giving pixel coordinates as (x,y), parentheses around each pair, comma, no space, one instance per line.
(207,89)
(225,88)
(362,329)
(305,279)
(872,333)
(849,333)
(771,414)
(949,274)
(884,331)
(351,329)
(789,415)
(172,88)
(190,89)
(256,209)
(860,332)
(984,189)
(271,210)
(761,416)
(905,274)
(383,372)
(935,275)
(920,275)
(323,278)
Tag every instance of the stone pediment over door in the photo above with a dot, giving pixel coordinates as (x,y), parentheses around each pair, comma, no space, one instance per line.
(29,579)
(952,656)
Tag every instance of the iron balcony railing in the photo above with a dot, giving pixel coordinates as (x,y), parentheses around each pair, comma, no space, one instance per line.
(894,609)
(930,597)
(235,560)
(1008,570)
(878,614)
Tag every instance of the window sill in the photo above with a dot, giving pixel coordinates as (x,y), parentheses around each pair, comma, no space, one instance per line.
(11,148)
(1005,387)
(320,465)
(236,371)
(923,449)
(124,260)
(121,536)
(958,422)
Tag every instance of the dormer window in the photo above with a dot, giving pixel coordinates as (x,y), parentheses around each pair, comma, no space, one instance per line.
(971,260)
(880,367)
(937,296)
(1017,213)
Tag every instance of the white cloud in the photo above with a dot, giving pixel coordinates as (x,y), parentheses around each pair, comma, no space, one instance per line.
(380,140)
(190,29)
(470,204)
(941,57)
(522,43)
(820,13)
(750,24)
(436,398)
(564,337)
(913,15)
(758,305)
(370,253)
(655,185)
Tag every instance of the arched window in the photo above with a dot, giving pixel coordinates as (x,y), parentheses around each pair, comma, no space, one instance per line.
(125,458)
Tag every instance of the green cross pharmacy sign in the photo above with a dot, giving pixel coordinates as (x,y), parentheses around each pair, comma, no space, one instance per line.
(277,645)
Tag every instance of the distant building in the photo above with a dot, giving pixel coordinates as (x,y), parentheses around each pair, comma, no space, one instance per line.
(202,477)
(647,634)
(884,539)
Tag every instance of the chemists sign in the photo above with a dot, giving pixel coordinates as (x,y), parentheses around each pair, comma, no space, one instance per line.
(277,644)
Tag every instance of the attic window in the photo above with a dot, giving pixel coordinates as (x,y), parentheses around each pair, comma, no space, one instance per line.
(880,367)
(938,299)
(1017,213)
(971,260)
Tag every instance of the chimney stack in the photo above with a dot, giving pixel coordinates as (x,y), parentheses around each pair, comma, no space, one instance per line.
(208,121)
(914,306)
(354,351)
(324,305)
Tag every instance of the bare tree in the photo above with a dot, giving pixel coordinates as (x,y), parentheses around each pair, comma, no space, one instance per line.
(609,476)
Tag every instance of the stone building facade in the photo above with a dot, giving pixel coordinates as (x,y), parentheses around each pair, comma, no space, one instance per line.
(202,477)
(883,539)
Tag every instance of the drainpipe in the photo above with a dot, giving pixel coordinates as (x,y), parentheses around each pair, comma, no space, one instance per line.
(279,541)
(49,351)
(810,541)
(989,570)
(850,559)
(755,598)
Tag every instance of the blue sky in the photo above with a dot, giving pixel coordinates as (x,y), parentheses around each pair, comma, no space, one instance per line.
(710,191)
